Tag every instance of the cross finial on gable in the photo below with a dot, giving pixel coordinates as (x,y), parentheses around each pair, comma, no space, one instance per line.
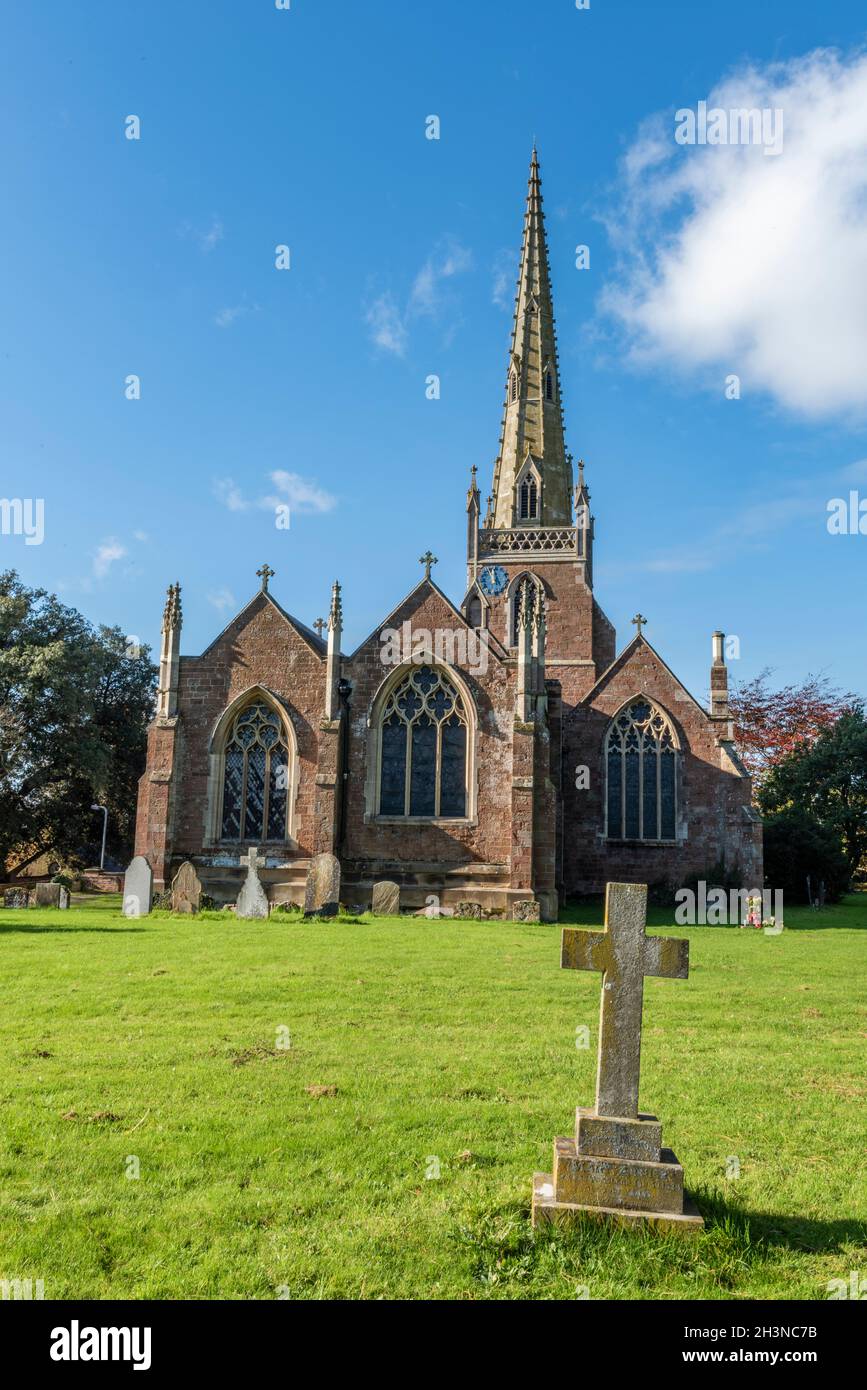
(639,621)
(265,574)
(427,560)
(319,625)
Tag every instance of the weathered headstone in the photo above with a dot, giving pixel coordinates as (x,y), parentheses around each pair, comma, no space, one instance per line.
(252,901)
(50,895)
(138,888)
(615,1166)
(322,890)
(186,889)
(16,897)
(386,899)
(526,910)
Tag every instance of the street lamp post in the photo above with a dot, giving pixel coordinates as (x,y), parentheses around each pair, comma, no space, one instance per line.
(104,810)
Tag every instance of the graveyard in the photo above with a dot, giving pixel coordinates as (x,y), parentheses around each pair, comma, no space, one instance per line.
(202,1106)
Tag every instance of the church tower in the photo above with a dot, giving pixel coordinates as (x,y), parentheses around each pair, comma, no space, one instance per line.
(537,523)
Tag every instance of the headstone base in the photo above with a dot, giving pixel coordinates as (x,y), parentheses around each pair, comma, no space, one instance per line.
(548,1211)
(647,1188)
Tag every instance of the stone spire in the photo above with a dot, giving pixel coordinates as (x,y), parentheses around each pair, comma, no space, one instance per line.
(532,439)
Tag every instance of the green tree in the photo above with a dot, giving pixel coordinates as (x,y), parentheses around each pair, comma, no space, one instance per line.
(827,779)
(798,846)
(74,708)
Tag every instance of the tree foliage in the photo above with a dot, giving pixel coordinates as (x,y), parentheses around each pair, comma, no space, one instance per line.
(771,724)
(798,846)
(828,780)
(74,707)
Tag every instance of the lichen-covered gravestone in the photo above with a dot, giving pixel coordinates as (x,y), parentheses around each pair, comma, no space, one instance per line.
(386,899)
(252,901)
(186,889)
(50,895)
(138,888)
(16,897)
(322,891)
(615,1167)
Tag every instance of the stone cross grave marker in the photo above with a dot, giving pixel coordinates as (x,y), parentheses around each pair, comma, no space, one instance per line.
(252,900)
(186,889)
(615,1166)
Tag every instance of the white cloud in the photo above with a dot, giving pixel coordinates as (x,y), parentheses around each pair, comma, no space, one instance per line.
(224,318)
(207,239)
(389,324)
(735,261)
(751,526)
(223,600)
(105,556)
(504,275)
(302,494)
(228,492)
(387,329)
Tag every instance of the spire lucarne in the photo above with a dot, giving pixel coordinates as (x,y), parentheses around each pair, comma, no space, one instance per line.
(533,472)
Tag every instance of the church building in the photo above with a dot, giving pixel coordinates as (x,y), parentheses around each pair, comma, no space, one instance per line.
(498,751)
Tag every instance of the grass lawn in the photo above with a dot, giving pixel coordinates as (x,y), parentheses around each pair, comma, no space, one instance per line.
(432,1047)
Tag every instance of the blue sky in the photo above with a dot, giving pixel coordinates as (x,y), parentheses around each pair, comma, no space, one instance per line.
(306,127)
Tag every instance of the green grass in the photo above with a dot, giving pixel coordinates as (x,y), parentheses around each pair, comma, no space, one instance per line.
(452,1041)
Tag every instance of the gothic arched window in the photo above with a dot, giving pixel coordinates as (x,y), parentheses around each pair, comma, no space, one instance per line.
(549,387)
(528,499)
(640,760)
(256,776)
(423,747)
(474,611)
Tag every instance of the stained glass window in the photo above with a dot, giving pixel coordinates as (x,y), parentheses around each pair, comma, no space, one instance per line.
(256,777)
(423,757)
(640,758)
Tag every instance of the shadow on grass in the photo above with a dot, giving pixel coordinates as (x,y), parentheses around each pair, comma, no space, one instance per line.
(502,1249)
(759,1228)
(34,928)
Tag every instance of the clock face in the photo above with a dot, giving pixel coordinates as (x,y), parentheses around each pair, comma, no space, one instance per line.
(493,579)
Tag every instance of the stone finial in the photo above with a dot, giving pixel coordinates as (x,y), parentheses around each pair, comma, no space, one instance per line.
(335,616)
(639,621)
(172,615)
(427,560)
(318,627)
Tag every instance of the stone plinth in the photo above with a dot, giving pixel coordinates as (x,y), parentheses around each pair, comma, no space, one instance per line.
(548,1211)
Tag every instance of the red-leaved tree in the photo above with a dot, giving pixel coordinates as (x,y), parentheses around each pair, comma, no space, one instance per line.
(769,724)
